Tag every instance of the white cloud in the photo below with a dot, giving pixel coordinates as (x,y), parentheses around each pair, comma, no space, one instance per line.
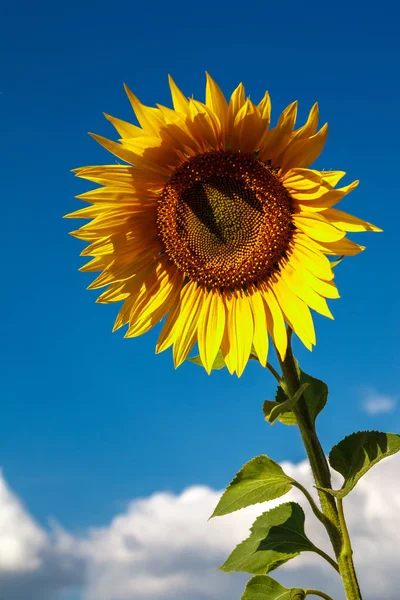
(375,403)
(163,548)
(20,538)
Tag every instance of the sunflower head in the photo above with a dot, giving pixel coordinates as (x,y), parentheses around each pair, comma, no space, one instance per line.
(216,222)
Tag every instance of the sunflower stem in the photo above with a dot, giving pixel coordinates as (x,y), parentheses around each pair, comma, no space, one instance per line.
(345,559)
(333,515)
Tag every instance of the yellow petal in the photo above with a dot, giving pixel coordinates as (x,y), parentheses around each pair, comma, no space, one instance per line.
(296,312)
(275,321)
(260,338)
(302,180)
(211,327)
(122,176)
(317,228)
(176,129)
(144,325)
(343,247)
(275,140)
(334,196)
(295,280)
(96,264)
(188,320)
(264,108)
(121,290)
(100,247)
(142,291)
(309,127)
(312,258)
(216,102)
(136,266)
(203,125)
(153,302)
(150,119)
(116,149)
(226,343)
(305,185)
(179,100)
(240,332)
(236,102)
(303,153)
(170,329)
(324,288)
(125,129)
(111,194)
(347,222)
(130,157)
(247,128)
(152,149)
(112,222)
(114,293)
(332,177)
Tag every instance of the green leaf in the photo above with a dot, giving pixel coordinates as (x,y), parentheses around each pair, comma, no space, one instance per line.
(280,411)
(260,479)
(262,587)
(219,362)
(285,416)
(276,537)
(315,395)
(358,453)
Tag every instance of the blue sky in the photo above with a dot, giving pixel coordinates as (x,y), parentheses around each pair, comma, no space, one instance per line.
(90,420)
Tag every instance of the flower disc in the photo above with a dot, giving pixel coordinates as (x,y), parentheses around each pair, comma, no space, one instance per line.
(225,219)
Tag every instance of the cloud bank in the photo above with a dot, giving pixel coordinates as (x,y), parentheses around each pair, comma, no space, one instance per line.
(163,548)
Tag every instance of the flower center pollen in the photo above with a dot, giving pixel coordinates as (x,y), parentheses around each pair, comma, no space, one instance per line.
(225,219)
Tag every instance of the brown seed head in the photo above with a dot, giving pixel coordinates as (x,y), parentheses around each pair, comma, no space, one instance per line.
(225,219)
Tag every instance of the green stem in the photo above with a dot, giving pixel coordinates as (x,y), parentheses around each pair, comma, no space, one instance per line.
(315,453)
(327,558)
(345,558)
(274,373)
(318,593)
(320,515)
(321,473)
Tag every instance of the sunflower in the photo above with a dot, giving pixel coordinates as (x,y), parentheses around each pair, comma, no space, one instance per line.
(217,223)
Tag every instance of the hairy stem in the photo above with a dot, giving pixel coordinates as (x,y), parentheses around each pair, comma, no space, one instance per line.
(345,558)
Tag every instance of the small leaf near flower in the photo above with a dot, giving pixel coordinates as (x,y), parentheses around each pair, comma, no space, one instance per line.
(262,587)
(285,416)
(278,411)
(315,393)
(260,479)
(358,453)
(286,406)
(276,537)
